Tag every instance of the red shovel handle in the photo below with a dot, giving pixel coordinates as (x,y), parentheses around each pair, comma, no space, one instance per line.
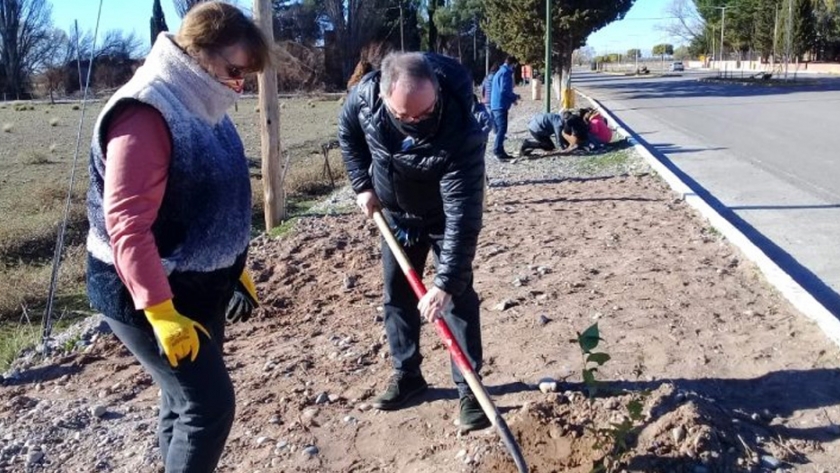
(452,345)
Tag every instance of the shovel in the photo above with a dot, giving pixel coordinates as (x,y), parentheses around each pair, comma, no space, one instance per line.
(454,349)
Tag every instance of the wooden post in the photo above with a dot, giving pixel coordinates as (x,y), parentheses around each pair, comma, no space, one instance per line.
(272,168)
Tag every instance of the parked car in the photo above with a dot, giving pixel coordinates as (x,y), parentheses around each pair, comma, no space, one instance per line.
(676,66)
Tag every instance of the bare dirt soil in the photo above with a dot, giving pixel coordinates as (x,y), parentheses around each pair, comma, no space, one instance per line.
(729,376)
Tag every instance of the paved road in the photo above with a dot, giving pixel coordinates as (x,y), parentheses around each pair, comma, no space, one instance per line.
(769,156)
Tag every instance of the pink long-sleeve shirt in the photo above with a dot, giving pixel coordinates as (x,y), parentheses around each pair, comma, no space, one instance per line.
(137,157)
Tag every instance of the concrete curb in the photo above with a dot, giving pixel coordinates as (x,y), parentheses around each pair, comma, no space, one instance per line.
(797,295)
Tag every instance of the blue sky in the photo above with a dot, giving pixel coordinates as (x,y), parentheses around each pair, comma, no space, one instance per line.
(637,30)
(126,15)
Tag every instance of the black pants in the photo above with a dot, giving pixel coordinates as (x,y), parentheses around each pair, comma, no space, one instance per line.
(402,319)
(197,402)
(539,142)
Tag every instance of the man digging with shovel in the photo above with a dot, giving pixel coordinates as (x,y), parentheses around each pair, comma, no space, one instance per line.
(413,148)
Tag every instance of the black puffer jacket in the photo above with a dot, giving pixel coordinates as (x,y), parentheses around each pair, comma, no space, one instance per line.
(437,184)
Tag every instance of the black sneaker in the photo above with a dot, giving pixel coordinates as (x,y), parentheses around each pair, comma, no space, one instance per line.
(401,388)
(472,417)
(503,157)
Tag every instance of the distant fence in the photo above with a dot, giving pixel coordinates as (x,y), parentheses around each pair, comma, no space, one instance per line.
(802,67)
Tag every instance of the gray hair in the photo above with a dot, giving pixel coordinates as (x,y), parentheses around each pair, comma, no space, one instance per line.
(412,68)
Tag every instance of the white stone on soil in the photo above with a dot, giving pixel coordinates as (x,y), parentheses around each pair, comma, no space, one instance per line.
(98,411)
(548,385)
(678,434)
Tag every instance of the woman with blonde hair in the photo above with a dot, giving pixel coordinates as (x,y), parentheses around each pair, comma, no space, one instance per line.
(169,207)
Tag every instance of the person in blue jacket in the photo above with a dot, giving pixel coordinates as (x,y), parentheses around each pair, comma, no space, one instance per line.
(501,99)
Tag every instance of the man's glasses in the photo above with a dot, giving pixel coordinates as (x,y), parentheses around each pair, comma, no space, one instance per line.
(407,119)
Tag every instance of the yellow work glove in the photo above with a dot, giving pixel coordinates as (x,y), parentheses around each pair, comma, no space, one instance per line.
(244,300)
(176,334)
(248,284)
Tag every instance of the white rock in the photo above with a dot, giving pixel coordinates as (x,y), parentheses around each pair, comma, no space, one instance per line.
(98,411)
(309,414)
(349,420)
(322,398)
(504,305)
(364,407)
(771,462)
(310,450)
(461,453)
(548,386)
(678,434)
(262,441)
(274,420)
(34,457)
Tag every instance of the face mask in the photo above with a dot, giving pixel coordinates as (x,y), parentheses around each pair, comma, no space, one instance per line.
(425,128)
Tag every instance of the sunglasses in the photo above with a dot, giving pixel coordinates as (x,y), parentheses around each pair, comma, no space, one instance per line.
(233,71)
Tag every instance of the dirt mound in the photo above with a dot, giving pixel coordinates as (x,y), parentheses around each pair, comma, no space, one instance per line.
(678,432)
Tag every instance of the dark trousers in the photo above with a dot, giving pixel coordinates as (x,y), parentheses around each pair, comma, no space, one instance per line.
(539,142)
(197,402)
(500,119)
(402,319)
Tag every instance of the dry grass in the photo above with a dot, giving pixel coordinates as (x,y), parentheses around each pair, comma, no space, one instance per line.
(33,157)
(27,285)
(307,175)
(32,198)
(16,338)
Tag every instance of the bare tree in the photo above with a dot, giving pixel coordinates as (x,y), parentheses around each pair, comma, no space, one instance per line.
(25,27)
(53,61)
(183,6)
(686,23)
(117,44)
(355,23)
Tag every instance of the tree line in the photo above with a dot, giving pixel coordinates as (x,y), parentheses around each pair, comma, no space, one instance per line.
(802,30)
(34,53)
(319,42)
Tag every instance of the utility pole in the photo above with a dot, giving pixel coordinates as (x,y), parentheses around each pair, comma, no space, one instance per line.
(79,57)
(713,46)
(402,34)
(486,55)
(475,40)
(789,37)
(637,52)
(273,171)
(548,56)
(722,28)
(775,40)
